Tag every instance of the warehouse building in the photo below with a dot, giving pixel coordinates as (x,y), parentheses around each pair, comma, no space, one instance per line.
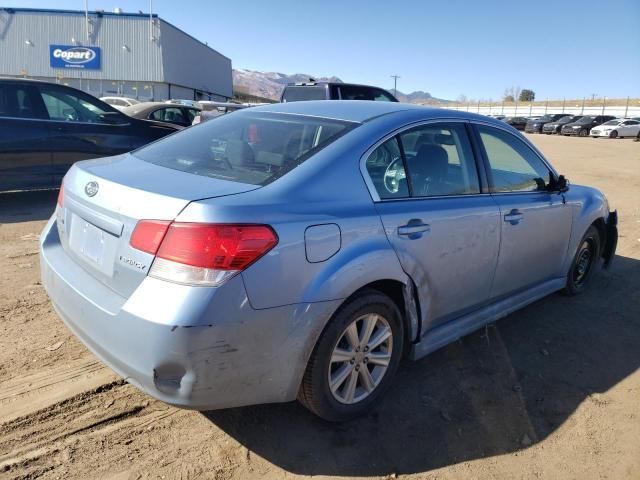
(111,53)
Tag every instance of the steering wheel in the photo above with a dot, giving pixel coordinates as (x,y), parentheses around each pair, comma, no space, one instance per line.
(393,174)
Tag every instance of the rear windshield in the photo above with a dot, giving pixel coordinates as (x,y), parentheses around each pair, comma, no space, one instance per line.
(302,93)
(246,147)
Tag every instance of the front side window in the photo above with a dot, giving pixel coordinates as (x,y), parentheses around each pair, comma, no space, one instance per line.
(382,96)
(514,166)
(246,147)
(64,106)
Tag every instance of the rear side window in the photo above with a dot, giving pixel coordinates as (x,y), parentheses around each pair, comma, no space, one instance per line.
(440,161)
(427,161)
(295,93)
(246,147)
(171,115)
(17,101)
(356,92)
(514,166)
(386,170)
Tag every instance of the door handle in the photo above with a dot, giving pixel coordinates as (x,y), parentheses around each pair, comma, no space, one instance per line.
(413,229)
(514,217)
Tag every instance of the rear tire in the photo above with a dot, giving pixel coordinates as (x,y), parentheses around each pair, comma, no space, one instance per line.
(585,262)
(335,356)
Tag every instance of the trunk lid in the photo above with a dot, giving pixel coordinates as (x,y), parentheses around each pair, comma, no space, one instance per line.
(105,198)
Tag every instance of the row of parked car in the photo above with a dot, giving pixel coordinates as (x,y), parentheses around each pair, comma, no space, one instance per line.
(188,112)
(576,125)
(183,113)
(46,127)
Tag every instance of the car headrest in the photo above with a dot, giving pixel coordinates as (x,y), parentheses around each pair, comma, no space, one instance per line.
(431,161)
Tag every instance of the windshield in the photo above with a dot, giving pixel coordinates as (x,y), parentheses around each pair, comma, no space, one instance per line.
(545,118)
(566,119)
(247,147)
(585,120)
(294,93)
(612,122)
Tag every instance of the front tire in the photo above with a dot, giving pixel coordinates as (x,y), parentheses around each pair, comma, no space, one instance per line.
(613,134)
(583,133)
(355,358)
(585,262)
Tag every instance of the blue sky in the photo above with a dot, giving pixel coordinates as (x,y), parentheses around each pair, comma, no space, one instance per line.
(448,48)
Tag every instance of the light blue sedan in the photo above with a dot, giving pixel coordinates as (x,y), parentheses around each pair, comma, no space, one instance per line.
(300,250)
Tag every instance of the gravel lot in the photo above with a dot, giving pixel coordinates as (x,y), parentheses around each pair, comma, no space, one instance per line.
(552,391)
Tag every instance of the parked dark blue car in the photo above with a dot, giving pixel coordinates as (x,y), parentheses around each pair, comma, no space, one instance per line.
(45,128)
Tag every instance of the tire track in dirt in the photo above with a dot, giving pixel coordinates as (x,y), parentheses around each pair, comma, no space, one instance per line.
(25,394)
(43,439)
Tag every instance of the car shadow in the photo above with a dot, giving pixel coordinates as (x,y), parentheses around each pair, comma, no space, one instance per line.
(27,206)
(495,391)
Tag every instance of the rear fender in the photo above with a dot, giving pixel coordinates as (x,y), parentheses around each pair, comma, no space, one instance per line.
(355,267)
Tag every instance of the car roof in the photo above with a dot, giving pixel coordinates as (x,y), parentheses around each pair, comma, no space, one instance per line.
(361,111)
(138,107)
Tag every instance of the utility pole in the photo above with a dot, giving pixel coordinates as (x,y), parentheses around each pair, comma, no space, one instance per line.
(395,84)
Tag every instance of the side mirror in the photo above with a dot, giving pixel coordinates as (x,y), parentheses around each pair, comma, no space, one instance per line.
(560,184)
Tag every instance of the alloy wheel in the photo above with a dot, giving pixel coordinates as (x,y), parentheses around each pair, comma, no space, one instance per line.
(360,358)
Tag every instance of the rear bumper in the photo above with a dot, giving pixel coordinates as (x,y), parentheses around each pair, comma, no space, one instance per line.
(192,347)
(611,242)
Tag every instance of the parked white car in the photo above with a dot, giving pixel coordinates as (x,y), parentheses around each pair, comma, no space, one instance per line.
(120,102)
(618,128)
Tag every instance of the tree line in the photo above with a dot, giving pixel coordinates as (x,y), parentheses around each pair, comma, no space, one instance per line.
(511,94)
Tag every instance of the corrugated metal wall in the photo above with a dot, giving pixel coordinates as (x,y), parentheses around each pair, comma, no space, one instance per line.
(140,60)
(191,63)
(127,51)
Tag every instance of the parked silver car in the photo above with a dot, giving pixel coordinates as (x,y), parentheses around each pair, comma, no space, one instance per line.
(300,250)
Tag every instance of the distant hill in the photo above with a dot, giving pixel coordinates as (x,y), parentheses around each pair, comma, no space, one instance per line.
(270,85)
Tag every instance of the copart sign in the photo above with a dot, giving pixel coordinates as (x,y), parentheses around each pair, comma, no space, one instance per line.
(74,56)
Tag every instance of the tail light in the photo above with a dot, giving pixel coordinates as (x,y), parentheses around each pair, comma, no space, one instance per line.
(61,195)
(201,253)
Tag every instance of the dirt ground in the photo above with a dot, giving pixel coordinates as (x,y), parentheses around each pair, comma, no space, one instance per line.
(552,391)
